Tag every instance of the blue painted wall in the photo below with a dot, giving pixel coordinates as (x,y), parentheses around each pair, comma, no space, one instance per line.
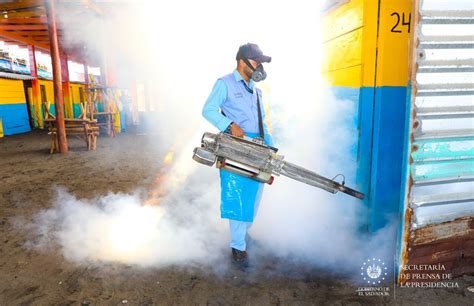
(380,122)
(15,118)
(76,109)
(387,158)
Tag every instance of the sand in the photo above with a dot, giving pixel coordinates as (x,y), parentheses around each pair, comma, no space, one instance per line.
(29,276)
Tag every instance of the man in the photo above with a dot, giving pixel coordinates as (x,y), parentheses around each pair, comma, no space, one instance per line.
(235,106)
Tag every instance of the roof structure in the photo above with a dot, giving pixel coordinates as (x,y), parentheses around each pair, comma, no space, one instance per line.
(24,22)
(15,76)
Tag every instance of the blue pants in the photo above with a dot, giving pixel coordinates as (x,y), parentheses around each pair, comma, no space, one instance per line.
(238,232)
(240,198)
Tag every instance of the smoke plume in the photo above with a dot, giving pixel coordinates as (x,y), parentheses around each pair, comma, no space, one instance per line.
(178,49)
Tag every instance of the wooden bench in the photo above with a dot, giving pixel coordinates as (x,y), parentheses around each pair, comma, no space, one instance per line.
(84,128)
(105,96)
(108,124)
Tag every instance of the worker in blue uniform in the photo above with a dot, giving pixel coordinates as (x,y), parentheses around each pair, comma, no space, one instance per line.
(235,106)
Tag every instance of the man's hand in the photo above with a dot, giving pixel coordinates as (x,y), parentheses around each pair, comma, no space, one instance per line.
(235,130)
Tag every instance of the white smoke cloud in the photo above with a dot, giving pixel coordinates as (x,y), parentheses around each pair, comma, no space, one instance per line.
(192,44)
(120,228)
(304,224)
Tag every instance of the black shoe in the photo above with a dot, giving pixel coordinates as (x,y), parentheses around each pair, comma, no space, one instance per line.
(241,258)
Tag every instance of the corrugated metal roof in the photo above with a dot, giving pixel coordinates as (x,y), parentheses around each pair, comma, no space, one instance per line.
(15,76)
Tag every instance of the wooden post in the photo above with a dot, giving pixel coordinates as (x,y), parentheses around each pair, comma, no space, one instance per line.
(35,88)
(67,98)
(58,94)
(87,94)
(86,77)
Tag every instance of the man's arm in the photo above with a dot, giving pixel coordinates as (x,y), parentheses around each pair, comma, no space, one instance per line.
(211,109)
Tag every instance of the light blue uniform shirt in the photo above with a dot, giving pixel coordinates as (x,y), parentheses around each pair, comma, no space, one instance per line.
(237,110)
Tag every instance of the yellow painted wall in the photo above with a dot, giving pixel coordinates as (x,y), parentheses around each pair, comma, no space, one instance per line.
(32,106)
(117,95)
(11,91)
(358,38)
(343,30)
(392,58)
(49,90)
(369,42)
(76,98)
(75,92)
(14,115)
(50,96)
(343,19)
(67,102)
(345,51)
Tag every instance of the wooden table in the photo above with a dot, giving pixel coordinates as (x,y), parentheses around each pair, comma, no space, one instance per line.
(84,128)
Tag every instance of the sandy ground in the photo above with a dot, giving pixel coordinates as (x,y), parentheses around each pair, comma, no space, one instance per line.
(30,277)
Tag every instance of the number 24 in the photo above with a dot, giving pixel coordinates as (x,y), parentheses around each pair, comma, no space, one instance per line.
(404,23)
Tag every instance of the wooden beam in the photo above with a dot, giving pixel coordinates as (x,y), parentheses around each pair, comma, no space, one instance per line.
(30,32)
(23,27)
(15,43)
(41,20)
(27,31)
(24,14)
(21,39)
(22,4)
(33,34)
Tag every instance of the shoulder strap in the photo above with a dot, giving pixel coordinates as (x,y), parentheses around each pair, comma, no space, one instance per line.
(260,121)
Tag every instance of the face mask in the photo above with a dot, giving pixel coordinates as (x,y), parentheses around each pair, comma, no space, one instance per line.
(258,74)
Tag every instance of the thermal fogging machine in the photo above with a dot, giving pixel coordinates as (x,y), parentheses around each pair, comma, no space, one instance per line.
(251,158)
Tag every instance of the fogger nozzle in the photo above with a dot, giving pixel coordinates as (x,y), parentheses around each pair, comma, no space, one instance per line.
(250,158)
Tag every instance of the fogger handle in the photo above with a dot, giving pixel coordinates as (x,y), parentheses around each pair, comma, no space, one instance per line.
(258,141)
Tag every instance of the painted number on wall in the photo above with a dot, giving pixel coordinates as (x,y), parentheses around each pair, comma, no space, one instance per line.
(398,27)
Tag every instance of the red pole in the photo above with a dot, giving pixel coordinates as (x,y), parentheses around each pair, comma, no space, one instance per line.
(67,94)
(87,94)
(35,87)
(58,93)
(86,81)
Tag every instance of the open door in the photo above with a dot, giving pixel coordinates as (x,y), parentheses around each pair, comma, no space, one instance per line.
(28,94)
